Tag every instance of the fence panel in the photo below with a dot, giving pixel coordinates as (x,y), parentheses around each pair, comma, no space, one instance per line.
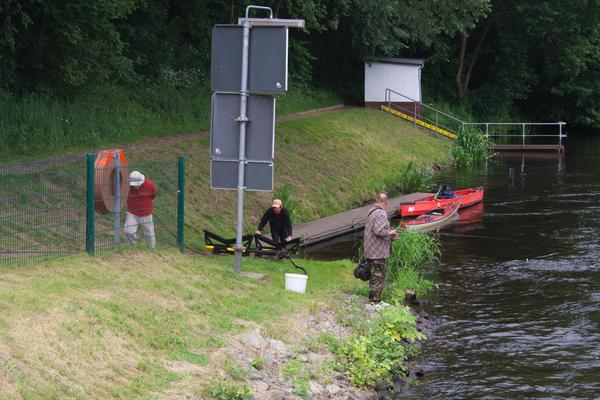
(43,209)
(164,217)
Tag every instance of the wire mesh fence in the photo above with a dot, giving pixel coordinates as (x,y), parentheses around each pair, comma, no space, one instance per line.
(59,207)
(42,209)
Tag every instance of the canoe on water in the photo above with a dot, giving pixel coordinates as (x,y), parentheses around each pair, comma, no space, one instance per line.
(434,218)
(427,203)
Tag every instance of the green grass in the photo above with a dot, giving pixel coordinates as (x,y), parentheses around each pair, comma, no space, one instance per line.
(111,327)
(35,126)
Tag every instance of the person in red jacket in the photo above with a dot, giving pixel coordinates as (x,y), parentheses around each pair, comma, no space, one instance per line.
(142,192)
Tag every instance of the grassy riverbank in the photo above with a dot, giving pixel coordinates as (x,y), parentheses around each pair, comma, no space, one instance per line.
(165,325)
(115,327)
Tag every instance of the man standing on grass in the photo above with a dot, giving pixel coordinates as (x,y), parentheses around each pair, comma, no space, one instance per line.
(279,221)
(377,243)
(142,192)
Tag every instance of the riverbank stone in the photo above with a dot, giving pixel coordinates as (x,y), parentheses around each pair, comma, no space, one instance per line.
(253,339)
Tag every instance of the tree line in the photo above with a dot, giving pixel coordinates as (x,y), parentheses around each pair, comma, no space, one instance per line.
(493,57)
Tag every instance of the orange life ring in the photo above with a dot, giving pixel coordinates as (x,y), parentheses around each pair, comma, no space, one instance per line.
(104,180)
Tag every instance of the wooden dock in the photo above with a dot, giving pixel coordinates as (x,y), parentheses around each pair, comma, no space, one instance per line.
(528,147)
(346,222)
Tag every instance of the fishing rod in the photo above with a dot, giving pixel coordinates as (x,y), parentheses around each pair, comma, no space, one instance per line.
(475,236)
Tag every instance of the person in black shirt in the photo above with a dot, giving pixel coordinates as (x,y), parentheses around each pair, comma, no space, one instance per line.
(279,221)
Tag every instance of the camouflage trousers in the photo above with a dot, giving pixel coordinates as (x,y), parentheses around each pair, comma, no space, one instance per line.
(377,267)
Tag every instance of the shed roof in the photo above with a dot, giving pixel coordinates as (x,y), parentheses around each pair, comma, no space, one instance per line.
(398,60)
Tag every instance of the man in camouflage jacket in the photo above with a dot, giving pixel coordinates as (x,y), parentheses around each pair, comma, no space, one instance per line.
(377,242)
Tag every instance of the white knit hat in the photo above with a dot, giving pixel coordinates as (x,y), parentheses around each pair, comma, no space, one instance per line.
(136,178)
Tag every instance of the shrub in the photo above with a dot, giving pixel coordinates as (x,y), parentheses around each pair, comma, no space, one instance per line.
(229,391)
(379,354)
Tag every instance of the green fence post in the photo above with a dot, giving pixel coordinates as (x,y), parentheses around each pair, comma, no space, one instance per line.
(180,202)
(90,224)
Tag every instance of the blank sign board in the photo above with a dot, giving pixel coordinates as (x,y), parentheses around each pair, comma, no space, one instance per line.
(258,175)
(225,130)
(267,59)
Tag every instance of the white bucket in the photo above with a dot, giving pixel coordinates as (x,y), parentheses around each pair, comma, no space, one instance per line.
(296,282)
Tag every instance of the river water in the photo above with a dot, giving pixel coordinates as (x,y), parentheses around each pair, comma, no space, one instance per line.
(518,315)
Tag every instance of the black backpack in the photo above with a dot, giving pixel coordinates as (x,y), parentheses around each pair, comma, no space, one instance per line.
(362,271)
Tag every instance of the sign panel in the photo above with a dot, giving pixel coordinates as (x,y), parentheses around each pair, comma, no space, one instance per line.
(225,130)
(257,175)
(267,59)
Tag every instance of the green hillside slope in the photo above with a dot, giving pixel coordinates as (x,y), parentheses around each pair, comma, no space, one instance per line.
(324,164)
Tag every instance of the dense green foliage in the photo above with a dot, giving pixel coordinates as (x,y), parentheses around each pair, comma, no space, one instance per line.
(537,59)
(63,45)
(378,353)
(491,58)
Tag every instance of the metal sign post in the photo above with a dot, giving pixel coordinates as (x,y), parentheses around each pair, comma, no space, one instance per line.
(262,66)
(243,120)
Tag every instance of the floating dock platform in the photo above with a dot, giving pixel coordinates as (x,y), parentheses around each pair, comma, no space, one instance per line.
(559,148)
(346,222)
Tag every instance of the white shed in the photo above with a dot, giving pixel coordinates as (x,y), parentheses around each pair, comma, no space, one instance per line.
(402,75)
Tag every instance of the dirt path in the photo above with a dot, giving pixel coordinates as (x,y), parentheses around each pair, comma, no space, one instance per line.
(183,137)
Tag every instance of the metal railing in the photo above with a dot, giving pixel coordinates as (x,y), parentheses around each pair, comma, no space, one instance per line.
(525,131)
(499,132)
(424,112)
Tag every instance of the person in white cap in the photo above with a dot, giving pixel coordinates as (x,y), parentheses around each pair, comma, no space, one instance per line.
(142,192)
(279,221)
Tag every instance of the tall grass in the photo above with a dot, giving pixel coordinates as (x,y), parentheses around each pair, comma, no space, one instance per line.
(470,148)
(414,178)
(409,253)
(38,125)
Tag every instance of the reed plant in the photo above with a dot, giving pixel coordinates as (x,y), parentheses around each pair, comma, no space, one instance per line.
(409,253)
(470,148)
(414,177)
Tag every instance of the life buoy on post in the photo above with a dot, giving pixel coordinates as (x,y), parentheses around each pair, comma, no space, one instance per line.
(104,180)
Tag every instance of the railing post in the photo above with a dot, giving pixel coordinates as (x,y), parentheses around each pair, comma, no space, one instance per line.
(117,205)
(90,225)
(415,115)
(560,133)
(487,131)
(523,135)
(180,203)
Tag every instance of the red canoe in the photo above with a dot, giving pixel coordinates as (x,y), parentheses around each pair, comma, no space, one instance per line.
(433,219)
(467,197)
